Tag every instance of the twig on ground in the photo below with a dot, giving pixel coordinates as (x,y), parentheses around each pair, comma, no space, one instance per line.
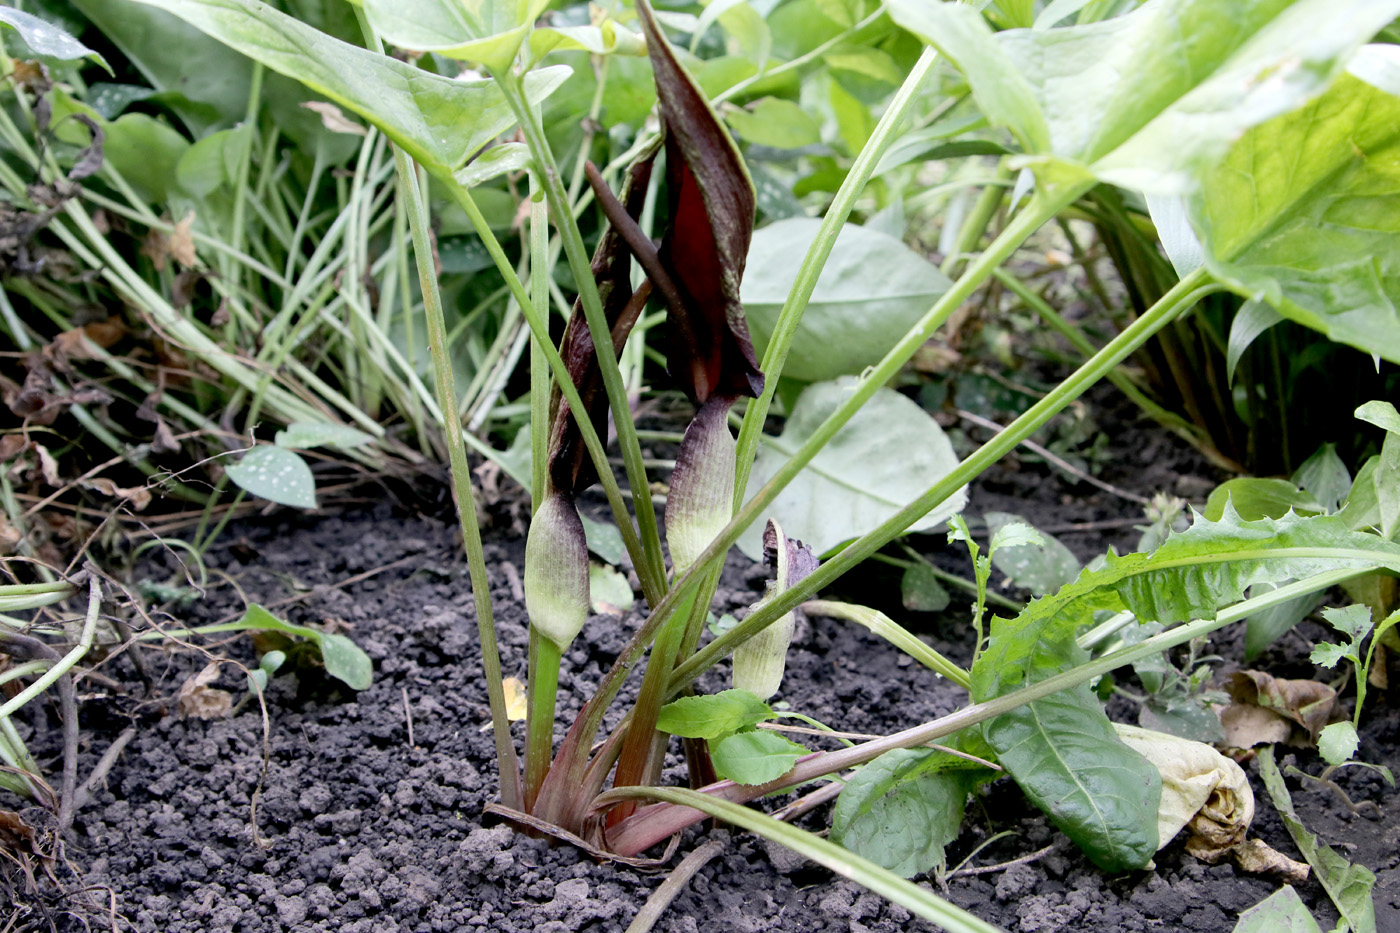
(1058,461)
(1003,866)
(674,884)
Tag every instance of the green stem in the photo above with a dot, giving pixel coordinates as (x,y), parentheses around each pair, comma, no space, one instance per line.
(598,328)
(653,586)
(1181,297)
(845,863)
(543,675)
(506,761)
(806,282)
(1081,343)
(539,365)
(646,828)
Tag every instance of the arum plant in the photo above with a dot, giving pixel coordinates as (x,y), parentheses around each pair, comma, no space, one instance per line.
(1190,99)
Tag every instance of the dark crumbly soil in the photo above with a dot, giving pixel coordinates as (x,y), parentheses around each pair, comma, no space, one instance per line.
(370,815)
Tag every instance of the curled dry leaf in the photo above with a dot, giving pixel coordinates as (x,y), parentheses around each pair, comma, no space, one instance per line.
(182,241)
(1208,795)
(202,701)
(1305,704)
(76,344)
(138,497)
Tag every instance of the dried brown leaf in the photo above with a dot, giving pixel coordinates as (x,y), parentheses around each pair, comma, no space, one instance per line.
(138,497)
(182,241)
(1247,726)
(1254,856)
(202,701)
(1310,704)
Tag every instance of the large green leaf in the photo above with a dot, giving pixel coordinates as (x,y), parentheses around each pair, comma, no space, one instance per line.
(1148,99)
(1302,212)
(714,715)
(1064,754)
(486,31)
(870,293)
(755,757)
(1062,750)
(903,808)
(883,458)
(439,121)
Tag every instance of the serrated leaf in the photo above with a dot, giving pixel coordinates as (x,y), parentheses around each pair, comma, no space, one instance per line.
(47,40)
(1327,654)
(1280,912)
(870,292)
(1353,621)
(921,591)
(1338,742)
(275,474)
(1254,498)
(755,757)
(308,434)
(343,658)
(902,809)
(1349,886)
(438,121)
(883,458)
(1061,749)
(709,717)
(1030,558)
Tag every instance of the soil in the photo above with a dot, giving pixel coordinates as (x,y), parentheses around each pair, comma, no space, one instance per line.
(370,814)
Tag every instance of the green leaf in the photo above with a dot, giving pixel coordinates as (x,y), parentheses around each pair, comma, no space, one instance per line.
(46,40)
(1061,749)
(755,757)
(275,474)
(1352,621)
(1170,586)
(1338,742)
(1252,319)
(1325,476)
(921,591)
(343,658)
(486,31)
(870,293)
(1349,886)
(439,121)
(1064,754)
(1327,654)
(1150,99)
(1255,498)
(1280,912)
(207,165)
(493,163)
(902,809)
(145,151)
(883,458)
(1299,214)
(1039,562)
(709,717)
(774,122)
(604,540)
(308,434)
(1387,484)
(609,591)
(1382,414)
(1362,508)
